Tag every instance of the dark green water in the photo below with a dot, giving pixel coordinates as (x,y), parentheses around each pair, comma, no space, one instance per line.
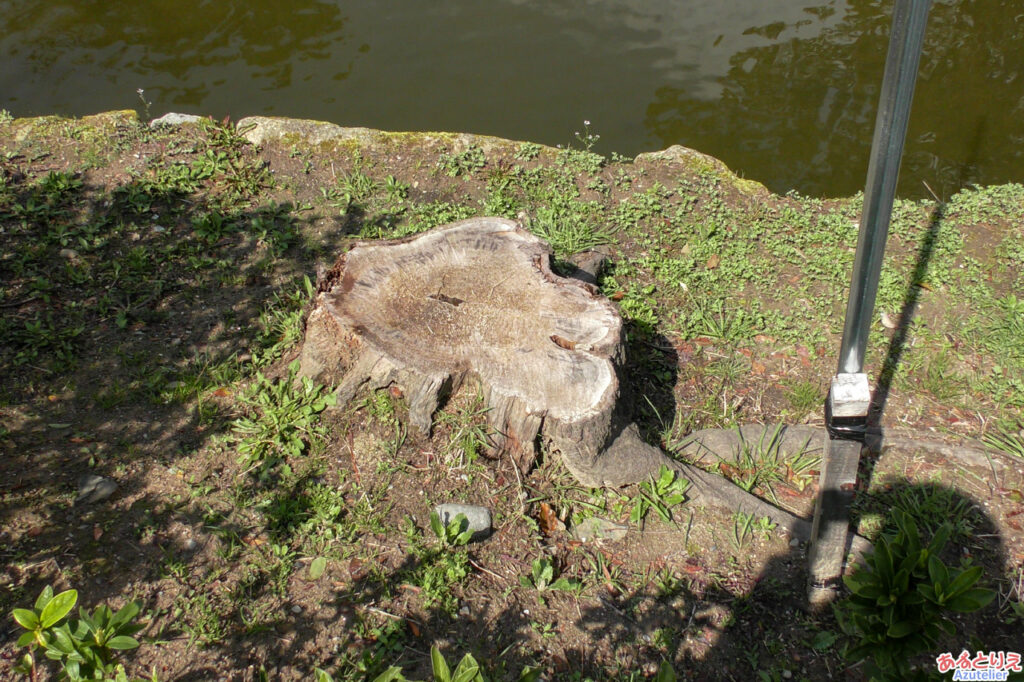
(784,92)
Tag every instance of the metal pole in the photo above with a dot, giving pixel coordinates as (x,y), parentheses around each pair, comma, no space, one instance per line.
(849,400)
(905,41)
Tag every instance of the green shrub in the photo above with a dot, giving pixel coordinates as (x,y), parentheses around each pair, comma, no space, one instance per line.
(897,609)
(86,648)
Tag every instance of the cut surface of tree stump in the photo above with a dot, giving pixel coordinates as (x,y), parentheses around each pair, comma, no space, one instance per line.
(474,298)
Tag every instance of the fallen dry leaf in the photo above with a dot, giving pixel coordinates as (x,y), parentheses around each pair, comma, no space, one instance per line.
(563,343)
(548,520)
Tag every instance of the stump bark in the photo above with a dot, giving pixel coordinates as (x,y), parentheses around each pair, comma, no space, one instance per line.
(478,299)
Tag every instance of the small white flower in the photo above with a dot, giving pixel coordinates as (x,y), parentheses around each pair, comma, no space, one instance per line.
(586,123)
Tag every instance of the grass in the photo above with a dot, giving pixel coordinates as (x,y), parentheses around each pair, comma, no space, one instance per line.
(156,306)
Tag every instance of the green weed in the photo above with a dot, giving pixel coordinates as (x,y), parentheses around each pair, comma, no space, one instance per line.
(659,494)
(543,576)
(465,162)
(1011,444)
(281,421)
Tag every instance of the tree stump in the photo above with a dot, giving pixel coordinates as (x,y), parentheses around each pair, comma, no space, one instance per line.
(476,298)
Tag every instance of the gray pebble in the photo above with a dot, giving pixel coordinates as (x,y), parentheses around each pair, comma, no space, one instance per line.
(93,488)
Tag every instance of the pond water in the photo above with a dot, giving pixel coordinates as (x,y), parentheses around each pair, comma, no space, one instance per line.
(784,92)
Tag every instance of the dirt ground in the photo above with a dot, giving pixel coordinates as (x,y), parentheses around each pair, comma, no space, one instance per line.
(151,276)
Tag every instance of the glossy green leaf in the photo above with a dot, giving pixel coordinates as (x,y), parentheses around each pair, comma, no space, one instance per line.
(392,674)
(901,629)
(435,524)
(940,539)
(26,619)
(125,614)
(58,607)
(970,601)
(963,582)
(62,641)
(938,574)
(439,666)
(26,638)
(122,643)
(44,598)
(883,563)
(468,670)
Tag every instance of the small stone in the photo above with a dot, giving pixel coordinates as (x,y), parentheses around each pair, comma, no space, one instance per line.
(795,542)
(190,545)
(786,674)
(173,119)
(479,518)
(887,320)
(596,528)
(296,609)
(70,254)
(245,357)
(93,488)
(464,611)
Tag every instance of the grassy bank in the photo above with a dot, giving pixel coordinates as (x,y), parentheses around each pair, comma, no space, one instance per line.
(152,285)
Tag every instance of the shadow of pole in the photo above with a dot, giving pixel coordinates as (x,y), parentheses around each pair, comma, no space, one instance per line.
(898,342)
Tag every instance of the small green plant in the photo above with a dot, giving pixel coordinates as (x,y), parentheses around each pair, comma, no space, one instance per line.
(212,227)
(660,494)
(757,465)
(804,397)
(86,648)
(897,609)
(455,533)
(468,670)
(442,566)
(527,151)
(469,433)
(465,162)
(742,529)
(280,324)
(381,407)
(715,320)
(282,420)
(542,578)
(395,189)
